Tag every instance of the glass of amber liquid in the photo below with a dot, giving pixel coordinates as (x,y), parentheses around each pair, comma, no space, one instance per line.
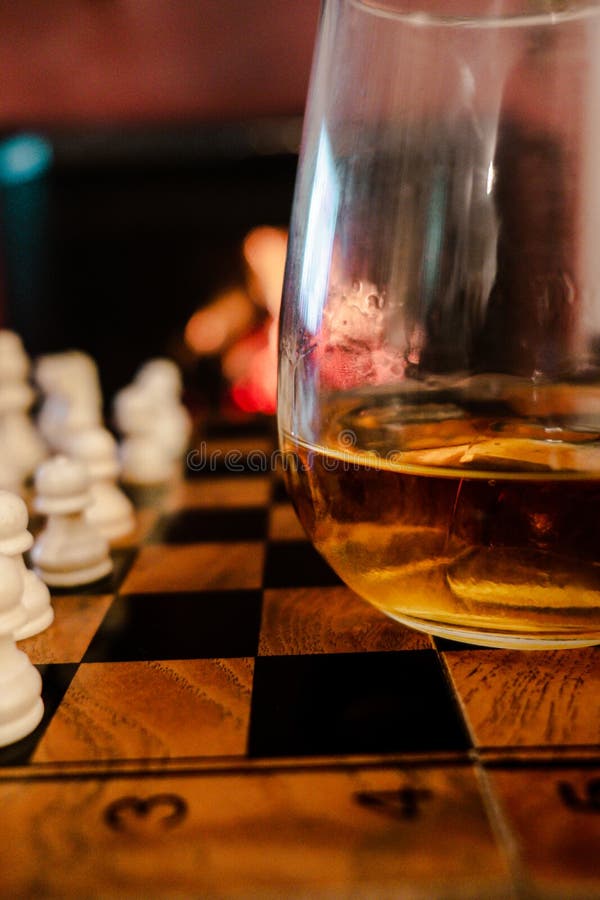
(439,380)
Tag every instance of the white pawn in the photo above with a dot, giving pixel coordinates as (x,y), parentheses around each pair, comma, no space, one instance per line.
(144,462)
(22,446)
(21,443)
(134,411)
(173,430)
(10,476)
(162,433)
(161,381)
(161,378)
(14,362)
(21,706)
(15,540)
(69,551)
(144,457)
(110,511)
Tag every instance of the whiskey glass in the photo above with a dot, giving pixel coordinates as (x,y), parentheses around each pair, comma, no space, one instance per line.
(439,367)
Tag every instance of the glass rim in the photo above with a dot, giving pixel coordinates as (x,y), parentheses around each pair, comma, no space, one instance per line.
(416,13)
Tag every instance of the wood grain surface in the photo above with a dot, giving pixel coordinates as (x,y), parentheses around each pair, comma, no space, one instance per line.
(329,620)
(196,567)
(172,762)
(514,698)
(559,857)
(148,709)
(371,833)
(76,619)
(220,493)
(284,524)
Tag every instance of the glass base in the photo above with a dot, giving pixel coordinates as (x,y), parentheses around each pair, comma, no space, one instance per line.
(505,640)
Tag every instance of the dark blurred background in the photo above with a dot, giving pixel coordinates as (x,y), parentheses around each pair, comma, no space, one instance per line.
(141,140)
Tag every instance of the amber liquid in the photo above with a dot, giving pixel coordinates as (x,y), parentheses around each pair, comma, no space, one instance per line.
(463,532)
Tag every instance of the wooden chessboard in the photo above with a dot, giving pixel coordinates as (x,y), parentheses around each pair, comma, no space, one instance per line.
(225,717)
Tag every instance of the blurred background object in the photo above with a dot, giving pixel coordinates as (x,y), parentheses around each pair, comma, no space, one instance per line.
(80,61)
(165,134)
(240,325)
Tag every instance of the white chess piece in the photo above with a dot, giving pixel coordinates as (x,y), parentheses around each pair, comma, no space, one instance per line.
(69,551)
(144,458)
(134,411)
(139,414)
(173,430)
(156,426)
(63,373)
(10,476)
(15,540)
(145,462)
(21,443)
(21,706)
(161,378)
(81,384)
(14,362)
(72,396)
(110,511)
(46,374)
(71,415)
(161,381)
(23,448)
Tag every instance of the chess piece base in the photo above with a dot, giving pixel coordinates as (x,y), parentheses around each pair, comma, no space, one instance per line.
(36,600)
(35,626)
(14,731)
(21,705)
(85,575)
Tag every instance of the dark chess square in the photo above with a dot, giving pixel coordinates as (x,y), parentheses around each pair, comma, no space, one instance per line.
(192,526)
(352,704)
(178,626)
(297,564)
(280,494)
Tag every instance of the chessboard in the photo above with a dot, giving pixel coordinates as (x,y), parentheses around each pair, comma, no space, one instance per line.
(224,717)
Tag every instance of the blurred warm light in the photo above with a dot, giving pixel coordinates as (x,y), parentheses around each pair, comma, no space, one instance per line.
(236,362)
(251,398)
(264,250)
(256,389)
(213,328)
(240,325)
